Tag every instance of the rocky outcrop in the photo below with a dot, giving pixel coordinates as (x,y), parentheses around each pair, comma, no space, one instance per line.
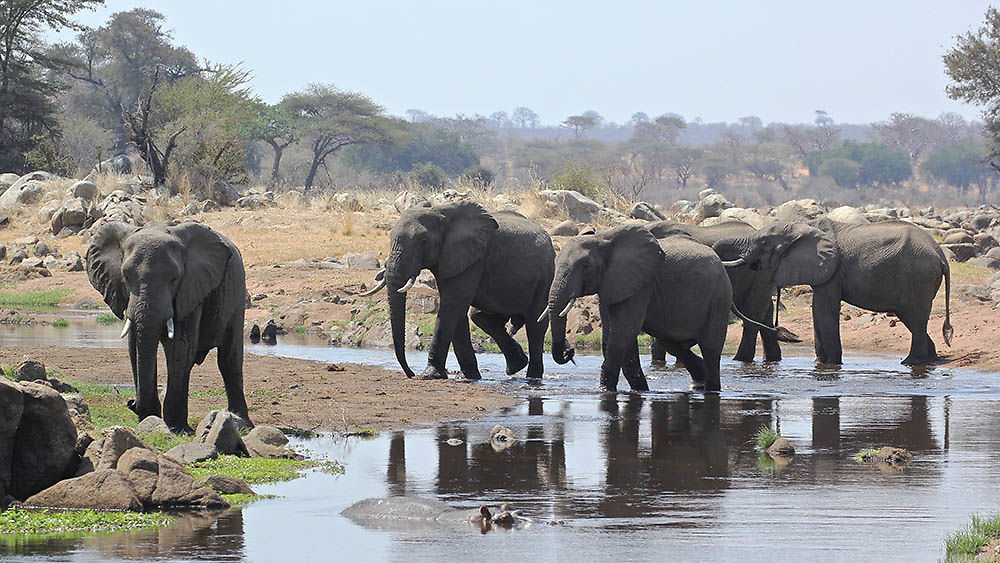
(848,214)
(226,485)
(44,444)
(12,406)
(645,212)
(151,425)
(572,204)
(710,204)
(29,370)
(105,489)
(222,430)
(408,199)
(267,441)
(26,190)
(567,228)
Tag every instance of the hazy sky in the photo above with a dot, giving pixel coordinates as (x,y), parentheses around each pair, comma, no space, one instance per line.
(718,60)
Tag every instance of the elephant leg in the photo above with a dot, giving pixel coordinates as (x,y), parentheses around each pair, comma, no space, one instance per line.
(536,347)
(496,327)
(772,349)
(657,353)
(826,323)
(230,362)
(710,361)
(922,349)
(462,344)
(622,325)
(748,344)
(180,354)
(691,362)
(632,370)
(456,295)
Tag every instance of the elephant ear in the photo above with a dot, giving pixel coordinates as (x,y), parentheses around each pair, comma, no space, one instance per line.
(468,229)
(812,258)
(206,258)
(634,259)
(104,264)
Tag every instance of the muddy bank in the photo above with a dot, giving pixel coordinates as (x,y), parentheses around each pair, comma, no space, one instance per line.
(294,393)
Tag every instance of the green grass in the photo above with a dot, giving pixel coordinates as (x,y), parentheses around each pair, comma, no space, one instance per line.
(60,323)
(252,470)
(38,300)
(19,521)
(765,436)
(300,330)
(243,499)
(367,433)
(965,544)
(107,319)
(163,441)
(7,371)
(864,456)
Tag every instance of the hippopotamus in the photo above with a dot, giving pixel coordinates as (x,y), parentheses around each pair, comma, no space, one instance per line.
(414,513)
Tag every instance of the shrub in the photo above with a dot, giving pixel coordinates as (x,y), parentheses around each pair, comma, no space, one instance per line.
(428,176)
(843,171)
(479,175)
(577,176)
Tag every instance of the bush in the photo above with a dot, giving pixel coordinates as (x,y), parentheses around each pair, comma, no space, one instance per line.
(479,175)
(428,176)
(843,171)
(577,176)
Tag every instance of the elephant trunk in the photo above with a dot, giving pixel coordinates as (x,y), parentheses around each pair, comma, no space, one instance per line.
(560,296)
(399,279)
(145,338)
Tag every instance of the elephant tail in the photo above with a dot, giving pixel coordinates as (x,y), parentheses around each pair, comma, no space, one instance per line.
(946,329)
(782,333)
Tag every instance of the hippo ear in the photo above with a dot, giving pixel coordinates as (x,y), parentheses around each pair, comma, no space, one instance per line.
(206,259)
(104,264)
(467,231)
(634,259)
(810,260)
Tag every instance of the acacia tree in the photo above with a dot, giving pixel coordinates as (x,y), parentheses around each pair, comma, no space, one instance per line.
(579,123)
(274,126)
(26,109)
(327,119)
(974,68)
(524,117)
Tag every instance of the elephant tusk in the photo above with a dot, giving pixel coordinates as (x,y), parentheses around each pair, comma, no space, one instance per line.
(544,314)
(380,275)
(126,328)
(568,307)
(170,328)
(408,285)
(734,263)
(378,287)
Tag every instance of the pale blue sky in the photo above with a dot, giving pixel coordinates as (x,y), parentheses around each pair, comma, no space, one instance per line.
(858,60)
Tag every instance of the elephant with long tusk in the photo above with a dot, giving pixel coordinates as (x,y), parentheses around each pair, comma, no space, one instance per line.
(182,286)
(500,264)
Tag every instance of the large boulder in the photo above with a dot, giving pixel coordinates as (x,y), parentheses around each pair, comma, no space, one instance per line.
(105,489)
(117,440)
(120,165)
(748,216)
(958,237)
(151,425)
(29,370)
(710,204)
(646,212)
(176,487)
(407,199)
(7,180)
(222,430)
(961,252)
(267,441)
(573,204)
(85,190)
(44,443)
(21,193)
(11,407)
(362,260)
(192,453)
(347,201)
(567,228)
(226,485)
(798,210)
(141,468)
(847,214)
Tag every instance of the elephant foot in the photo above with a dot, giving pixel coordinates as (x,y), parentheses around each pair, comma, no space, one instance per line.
(182,430)
(697,386)
(516,365)
(912,360)
(772,358)
(432,372)
(535,372)
(472,375)
(658,363)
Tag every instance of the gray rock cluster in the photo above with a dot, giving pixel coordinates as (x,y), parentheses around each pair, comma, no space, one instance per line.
(35,256)
(256,200)
(25,190)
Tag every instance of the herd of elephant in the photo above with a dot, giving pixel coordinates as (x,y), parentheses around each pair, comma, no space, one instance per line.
(183,286)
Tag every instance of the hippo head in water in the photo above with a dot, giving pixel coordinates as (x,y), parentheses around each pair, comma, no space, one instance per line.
(408,513)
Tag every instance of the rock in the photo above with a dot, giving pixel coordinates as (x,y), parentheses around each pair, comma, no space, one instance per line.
(193,453)
(798,210)
(85,190)
(645,211)
(73,214)
(422,303)
(222,430)
(506,202)
(117,440)
(268,435)
(611,216)
(189,209)
(972,293)
(985,241)
(748,216)
(257,447)
(105,489)
(225,195)
(347,201)
(18,256)
(501,438)
(407,199)
(26,190)
(3,252)
(226,485)
(119,165)
(7,180)
(41,249)
(960,237)
(77,406)
(292,199)
(44,443)
(889,455)
(961,252)
(448,196)
(176,487)
(61,387)
(986,262)
(571,203)
(781,446)
(29,370)
(209,205)
(11,405)
(711,205)
(152,424)
(362,260)
(255,334)
(253,201)
(141,468)
(567,228)
(847,214)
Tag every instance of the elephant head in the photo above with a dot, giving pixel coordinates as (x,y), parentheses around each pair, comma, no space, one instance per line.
(613,263)
(796,253)
(446,239)
(155,278)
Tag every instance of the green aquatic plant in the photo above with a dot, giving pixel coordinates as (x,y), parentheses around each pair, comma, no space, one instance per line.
(367,433)
(765,436)
(107,319)
(965,544)
(864,456)
(253,470)
(243,499)
(20,521)
(60,323)
(37,300)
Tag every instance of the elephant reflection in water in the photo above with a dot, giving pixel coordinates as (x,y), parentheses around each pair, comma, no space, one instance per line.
(692,443)
(912,430)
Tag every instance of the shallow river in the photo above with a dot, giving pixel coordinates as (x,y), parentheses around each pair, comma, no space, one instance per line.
(664,474)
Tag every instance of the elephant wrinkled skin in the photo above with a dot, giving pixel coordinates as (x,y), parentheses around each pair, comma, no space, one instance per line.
(180,285)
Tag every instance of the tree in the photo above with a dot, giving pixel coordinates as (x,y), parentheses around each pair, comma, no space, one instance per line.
(500,119)
(974,68)
(751,122)
(959,165)
(911,134)
(579,123)
(26,110)
(525,117)
(664,129)
(406,145)
(142,134)
(417,115)
(683,160)
(274,126)
(639,117)
(328,119)
(844,171)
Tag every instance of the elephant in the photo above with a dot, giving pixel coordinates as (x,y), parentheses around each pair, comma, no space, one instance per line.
(752,289)
(887,267)
(676,290)
(500,263)
(181,285)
